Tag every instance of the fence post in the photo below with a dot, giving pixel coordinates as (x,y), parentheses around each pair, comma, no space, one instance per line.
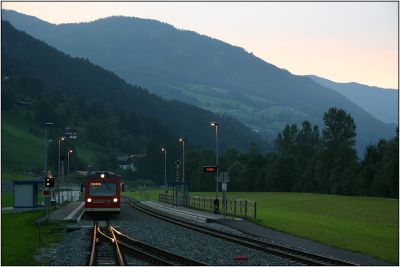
(255,210)
(245,207)
(234,206)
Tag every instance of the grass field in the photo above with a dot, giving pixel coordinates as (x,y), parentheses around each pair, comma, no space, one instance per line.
(362,224)
(7,199)
(14,176)
(20,237)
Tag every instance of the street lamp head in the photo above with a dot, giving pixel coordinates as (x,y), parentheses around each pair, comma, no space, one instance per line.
(163,149)
(70,151)
(61,138)
(48,123)
(214,124)
(181,139)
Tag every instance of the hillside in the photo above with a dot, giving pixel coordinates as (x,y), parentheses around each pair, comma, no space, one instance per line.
(78,77)
(380,102)
(202,71)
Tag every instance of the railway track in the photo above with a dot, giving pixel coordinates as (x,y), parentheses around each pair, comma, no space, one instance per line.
(105,249)
(300,256)
(108,245)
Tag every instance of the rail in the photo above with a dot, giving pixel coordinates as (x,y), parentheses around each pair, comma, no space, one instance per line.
(100,253)
(297,255)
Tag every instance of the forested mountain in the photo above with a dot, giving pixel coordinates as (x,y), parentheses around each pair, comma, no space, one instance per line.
(382,103)
(202,71)
(22,54)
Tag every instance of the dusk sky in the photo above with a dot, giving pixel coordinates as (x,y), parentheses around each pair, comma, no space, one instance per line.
(343,42)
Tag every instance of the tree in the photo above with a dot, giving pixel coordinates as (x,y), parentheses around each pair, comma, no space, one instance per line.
(338,160)
(286,141)
(340,128)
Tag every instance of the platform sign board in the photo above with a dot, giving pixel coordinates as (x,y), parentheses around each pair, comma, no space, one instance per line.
(224,187)
(210,168)
(224,177)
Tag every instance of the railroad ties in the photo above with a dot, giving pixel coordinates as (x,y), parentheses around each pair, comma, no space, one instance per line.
(105,249)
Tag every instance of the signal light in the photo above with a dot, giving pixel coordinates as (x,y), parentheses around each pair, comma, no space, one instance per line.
(210,168)
(49,182)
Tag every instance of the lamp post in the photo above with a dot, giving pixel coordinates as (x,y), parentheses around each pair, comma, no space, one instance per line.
(215,124)
(183,158)
(69,152)
(59,166)
(165,166)
(45,146)
(59,154)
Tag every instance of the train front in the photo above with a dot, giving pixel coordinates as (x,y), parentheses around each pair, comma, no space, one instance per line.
(102,192)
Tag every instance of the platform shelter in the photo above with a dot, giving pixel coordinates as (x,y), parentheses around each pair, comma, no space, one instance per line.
(26,194)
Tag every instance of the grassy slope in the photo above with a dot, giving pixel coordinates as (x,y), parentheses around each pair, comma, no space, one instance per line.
(20,237)
(361,224)
(216,99)
(20,149)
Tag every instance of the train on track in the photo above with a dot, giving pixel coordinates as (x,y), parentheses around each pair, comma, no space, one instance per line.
(102,192)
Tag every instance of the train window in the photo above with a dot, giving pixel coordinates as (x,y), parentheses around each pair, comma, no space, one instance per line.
(102,189)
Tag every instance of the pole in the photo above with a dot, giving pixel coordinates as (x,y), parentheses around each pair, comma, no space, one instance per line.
(165,168)
(59,172)
(62,180)
(45,150)
(183,162)
(68,167)
(216,144)
(59,155)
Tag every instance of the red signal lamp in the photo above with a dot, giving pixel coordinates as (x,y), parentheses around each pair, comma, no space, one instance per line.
(210,168)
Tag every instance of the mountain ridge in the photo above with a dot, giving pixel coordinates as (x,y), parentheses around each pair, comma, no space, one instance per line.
(22,53)
(382,103)
(205,72)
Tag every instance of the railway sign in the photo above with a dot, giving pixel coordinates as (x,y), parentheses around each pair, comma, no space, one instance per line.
(210,168)
(224,187)
(224,177)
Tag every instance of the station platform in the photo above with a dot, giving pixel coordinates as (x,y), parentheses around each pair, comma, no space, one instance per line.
(190,214)
(70,212)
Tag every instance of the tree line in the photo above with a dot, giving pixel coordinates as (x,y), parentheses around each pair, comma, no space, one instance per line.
(307,159)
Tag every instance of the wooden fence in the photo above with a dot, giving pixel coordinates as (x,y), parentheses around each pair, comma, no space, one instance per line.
(235,207)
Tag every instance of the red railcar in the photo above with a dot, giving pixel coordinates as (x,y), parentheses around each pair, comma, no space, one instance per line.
(102,192)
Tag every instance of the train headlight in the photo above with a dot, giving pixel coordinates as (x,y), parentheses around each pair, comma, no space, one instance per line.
(89,200)
(102,175)
(115,199)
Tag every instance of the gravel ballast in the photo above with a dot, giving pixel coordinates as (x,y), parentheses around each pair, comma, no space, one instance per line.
(74,249)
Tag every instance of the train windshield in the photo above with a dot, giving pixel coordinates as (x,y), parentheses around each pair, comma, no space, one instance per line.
(102,189)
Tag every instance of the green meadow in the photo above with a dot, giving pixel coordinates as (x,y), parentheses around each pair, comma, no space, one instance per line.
(361,224)
(7,199)
(20,237)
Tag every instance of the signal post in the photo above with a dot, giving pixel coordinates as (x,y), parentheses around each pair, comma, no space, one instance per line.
(49,185)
